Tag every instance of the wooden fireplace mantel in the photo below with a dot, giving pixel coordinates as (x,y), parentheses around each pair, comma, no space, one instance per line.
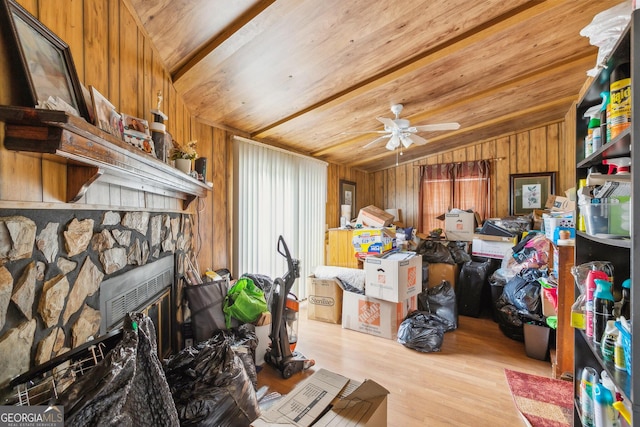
(92,154)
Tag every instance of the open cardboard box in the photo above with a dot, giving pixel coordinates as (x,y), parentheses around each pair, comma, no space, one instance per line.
(329,399)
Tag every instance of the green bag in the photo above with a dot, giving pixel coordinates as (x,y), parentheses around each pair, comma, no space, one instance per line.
(244,301)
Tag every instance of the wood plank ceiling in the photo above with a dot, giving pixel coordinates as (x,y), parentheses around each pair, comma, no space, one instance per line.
(303,74)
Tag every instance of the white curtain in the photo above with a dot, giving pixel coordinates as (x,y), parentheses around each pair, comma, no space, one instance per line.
(277,193)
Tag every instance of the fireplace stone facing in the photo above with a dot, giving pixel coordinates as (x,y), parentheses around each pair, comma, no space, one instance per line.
(53,264)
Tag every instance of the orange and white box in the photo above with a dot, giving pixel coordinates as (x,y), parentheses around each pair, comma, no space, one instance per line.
(394,277)
(375,316)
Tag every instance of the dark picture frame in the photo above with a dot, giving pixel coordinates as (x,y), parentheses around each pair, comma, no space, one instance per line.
(347,197)
(44,59)
(530,191)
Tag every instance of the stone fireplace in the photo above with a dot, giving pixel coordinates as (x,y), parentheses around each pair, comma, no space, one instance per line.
(68,275)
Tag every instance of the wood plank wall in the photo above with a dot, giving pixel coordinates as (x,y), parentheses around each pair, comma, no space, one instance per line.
(112,53)
(546,148)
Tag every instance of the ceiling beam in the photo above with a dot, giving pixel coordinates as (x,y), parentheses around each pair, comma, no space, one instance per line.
(191,61)
(466,39)
(542,74)
(487,123)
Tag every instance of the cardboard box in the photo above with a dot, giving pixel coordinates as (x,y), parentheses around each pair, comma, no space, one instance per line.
(343,402)
(394,276)
(441,271)
(325,299)
(372,216)
(559,204)
(374,316)
(371,241)
(460,226)
(492,246)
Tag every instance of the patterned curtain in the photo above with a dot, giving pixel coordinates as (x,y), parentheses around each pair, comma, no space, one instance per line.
(452,185)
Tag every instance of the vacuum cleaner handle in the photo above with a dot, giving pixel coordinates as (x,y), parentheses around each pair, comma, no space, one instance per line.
(292,264)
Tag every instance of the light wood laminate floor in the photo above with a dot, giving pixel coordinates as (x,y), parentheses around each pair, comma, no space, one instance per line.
(462,385)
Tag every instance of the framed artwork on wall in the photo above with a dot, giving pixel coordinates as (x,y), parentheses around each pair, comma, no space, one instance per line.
(347,197)
(529,191)
(45,61)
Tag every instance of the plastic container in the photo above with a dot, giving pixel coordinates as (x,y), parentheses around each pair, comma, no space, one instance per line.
(607,219)
(536,341)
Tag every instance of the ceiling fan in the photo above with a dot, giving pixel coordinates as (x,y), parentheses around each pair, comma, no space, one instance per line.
(399,131)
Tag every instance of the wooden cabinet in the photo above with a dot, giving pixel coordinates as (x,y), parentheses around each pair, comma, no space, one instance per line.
(623,254)
(340,251)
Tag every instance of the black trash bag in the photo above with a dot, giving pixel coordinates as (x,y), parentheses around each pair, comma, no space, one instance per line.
(459,252)
(441,301)
(509,320)
(127,388)
(523,291)
(422,331)
(210,385)
(350,288)
(245,343)
(435,252)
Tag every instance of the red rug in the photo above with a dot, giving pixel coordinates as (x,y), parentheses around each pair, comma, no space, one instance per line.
(543,402)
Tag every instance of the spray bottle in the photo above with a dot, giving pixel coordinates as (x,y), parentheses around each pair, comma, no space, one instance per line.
(594,137)
(602,309)
(619,166)
(604,413)
(590,286)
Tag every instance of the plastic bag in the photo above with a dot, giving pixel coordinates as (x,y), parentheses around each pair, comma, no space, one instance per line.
(422,331)
(244,301)
(523,291)
(435,252)
(441,301)
(210,385)
(605,30)
(127,388)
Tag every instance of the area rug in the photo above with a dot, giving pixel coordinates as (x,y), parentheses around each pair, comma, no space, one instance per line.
(542,402)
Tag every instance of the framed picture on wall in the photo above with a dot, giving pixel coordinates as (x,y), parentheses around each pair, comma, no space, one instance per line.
(529,191)
(347,198)
(45,60)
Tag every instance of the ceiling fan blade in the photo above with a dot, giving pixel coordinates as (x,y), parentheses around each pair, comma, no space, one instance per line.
(436,126)
(388,123)
(418,140)
(363,132)
(376,140)
(393,143)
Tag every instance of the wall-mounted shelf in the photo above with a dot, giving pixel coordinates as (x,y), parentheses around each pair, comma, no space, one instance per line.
(92,154)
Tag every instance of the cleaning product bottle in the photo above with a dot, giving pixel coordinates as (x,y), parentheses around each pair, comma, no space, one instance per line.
(620,100)
(602,308)
(604,414)
(603,117)
(593,131)
(618,166)
(592,275)
(608,341)
(618,354)
(588,379)
(625,302)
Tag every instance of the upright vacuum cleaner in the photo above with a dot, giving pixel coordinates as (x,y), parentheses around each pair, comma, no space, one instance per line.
(280,354)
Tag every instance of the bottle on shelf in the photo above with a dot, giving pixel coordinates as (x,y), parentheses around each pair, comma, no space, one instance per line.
(593,137)
(602,308)
(608,341)
(592,276)
(625,302)
(588,379)
(620,100)
(604,413)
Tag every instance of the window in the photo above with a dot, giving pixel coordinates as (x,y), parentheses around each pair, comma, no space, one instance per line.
(452,185)
(277,193)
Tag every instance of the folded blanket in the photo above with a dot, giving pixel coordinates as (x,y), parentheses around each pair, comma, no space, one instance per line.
(351,276)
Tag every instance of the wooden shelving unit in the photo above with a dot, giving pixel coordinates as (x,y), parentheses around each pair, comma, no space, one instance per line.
(92,154)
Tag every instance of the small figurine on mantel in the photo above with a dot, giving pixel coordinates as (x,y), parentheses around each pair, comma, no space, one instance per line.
(158,131)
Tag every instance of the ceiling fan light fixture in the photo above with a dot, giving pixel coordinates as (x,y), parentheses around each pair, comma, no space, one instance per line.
(393,143)
(406,141)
